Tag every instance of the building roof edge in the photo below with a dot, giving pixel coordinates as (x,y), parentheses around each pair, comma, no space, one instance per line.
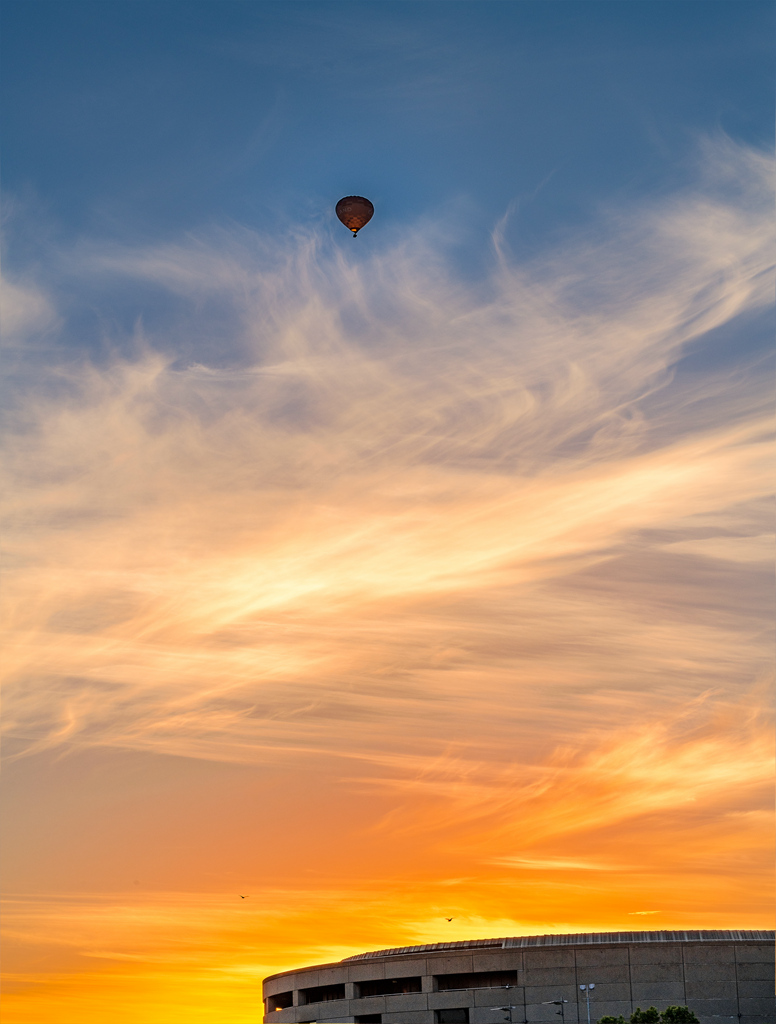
(578,939)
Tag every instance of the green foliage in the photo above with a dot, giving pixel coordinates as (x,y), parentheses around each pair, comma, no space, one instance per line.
(678,1015)
(671,1015)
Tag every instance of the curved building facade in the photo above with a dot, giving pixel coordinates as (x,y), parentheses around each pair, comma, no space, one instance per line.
(721,975)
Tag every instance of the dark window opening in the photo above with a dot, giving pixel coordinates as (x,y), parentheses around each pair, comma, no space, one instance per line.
(322,994)
(387,987)
(458,1016)
(280,1001)
(370,1018)
(480,979)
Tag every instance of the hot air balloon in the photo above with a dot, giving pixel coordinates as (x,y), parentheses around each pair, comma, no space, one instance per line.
(354,212)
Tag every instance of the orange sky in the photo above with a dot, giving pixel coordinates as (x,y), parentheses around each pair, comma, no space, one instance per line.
(439,602)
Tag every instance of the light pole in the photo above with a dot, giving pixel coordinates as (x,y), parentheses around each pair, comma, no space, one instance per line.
(557,1002)
(506,1009)
(587,989)
(509,1009)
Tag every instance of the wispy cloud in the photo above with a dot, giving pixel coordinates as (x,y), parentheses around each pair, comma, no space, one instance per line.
(393,442)
(552,864)
(488,562)
(25,311)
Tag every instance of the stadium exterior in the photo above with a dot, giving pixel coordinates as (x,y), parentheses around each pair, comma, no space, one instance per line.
(721,975)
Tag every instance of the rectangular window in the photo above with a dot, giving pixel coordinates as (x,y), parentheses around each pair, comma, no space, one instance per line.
(479,979)
(387,987)
(370,1018)
(322,994)
(280,1001)
(458,1016)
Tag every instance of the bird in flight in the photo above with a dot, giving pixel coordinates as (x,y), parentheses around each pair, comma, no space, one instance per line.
(449,919)
(242,897)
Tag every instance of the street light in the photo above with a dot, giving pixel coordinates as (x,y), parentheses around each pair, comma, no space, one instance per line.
(507,1009)
(587,989)
(557,1002)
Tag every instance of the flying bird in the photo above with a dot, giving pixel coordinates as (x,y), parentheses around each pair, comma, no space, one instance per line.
(242,897)
(354,212)
(449,919)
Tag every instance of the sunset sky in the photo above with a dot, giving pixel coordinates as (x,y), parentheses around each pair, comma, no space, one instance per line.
(421,575)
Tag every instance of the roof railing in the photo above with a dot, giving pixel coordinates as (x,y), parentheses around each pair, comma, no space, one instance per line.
(579,939)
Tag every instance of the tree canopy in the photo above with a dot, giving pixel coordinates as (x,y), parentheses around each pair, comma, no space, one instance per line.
(671,1015)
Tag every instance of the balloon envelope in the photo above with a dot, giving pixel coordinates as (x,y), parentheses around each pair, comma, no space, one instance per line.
(354,212)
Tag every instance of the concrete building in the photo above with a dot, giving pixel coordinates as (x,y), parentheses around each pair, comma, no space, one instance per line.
(724,976)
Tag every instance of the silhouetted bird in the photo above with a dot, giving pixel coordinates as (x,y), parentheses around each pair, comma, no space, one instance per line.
(449,919)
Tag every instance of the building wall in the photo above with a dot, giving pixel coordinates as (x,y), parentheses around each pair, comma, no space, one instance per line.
(723,979)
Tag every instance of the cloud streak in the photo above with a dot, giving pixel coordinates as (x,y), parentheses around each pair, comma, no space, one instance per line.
(488,562)
(393,439)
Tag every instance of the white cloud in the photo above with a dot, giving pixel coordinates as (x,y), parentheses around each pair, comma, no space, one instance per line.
(24,310)
(390,488)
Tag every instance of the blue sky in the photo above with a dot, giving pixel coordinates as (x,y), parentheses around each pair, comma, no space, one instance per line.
(152,118)
(136,122)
